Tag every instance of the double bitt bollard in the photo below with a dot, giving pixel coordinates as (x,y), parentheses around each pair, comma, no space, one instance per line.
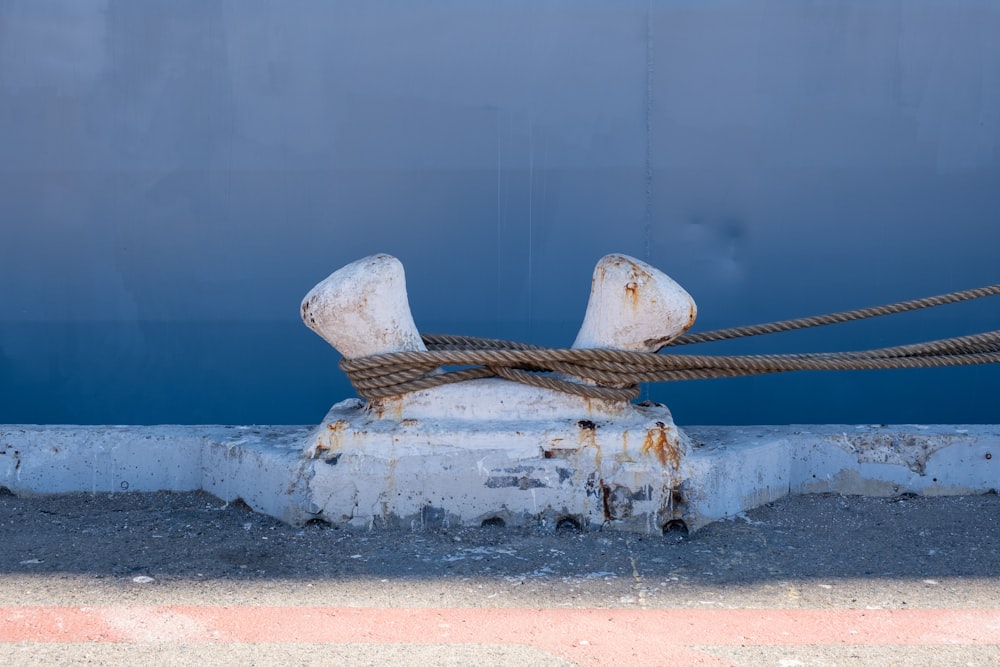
(491,451)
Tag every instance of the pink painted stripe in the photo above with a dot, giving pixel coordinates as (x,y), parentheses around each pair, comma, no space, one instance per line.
(585,636)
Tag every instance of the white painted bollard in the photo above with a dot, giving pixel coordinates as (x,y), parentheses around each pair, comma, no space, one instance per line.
(492,449)
(362,309)
(634,306)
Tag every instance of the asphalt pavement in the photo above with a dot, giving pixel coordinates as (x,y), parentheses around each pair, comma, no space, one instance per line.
(183,578)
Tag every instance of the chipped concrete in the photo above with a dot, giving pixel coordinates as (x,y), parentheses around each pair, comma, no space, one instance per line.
(410,476)
(622,467)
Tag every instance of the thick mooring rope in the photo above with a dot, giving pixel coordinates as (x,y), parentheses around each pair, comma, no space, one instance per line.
(615,374)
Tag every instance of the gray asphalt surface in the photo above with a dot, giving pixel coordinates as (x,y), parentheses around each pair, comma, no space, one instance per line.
(804,552)
(812,551)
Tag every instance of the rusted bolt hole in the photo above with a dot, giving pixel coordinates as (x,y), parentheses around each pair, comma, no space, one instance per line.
(568,524)
(675,527)
(493,522)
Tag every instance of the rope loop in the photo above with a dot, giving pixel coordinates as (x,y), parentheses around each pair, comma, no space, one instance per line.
(615,375)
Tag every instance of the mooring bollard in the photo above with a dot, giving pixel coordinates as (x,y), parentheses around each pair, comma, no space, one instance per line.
(362,309)
(489,450)
(634,306)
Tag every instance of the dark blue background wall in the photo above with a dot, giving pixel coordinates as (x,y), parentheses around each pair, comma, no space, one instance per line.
(176,174)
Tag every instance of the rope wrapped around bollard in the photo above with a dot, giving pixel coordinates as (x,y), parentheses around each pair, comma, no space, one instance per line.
(615,374)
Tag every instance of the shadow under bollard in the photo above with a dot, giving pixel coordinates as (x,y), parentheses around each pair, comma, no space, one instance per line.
(812,550)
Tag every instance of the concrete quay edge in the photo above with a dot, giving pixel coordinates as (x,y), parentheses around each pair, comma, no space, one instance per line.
(727,470)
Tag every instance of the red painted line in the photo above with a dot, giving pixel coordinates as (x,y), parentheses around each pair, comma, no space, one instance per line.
(585,636)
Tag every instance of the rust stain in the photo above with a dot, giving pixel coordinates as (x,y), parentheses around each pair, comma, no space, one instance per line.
(605,500)
(634,287)
(632,292)
(588,438)
(625,456)
(658,443)
(334,436)
(380,406)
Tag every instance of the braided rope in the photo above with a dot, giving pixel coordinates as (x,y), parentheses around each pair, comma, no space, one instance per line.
(615,374)
(836,318)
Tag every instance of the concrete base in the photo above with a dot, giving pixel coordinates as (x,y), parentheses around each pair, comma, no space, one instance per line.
(722,472)
(622,468)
